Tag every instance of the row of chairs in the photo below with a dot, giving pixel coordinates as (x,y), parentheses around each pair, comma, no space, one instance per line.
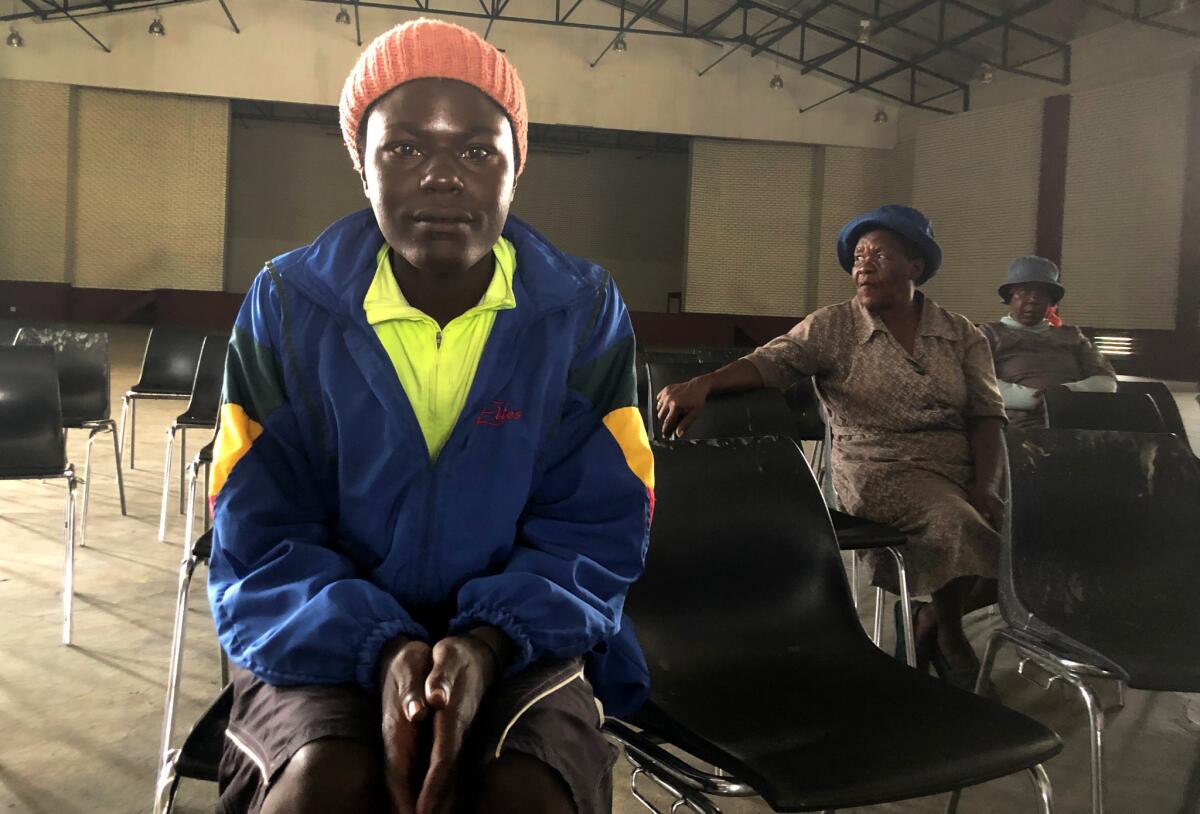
(727,491)
(53,379)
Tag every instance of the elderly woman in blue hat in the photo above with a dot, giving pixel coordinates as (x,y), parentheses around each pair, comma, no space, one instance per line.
(1030,355)
(914,413)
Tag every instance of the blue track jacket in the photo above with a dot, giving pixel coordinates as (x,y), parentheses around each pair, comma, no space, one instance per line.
(334,532)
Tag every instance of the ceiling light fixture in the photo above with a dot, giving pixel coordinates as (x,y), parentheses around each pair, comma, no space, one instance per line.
(881,117)
(14,39)
(864,32)
(157,28)
(343,17)
(776,82)
(987,74)
(619,44)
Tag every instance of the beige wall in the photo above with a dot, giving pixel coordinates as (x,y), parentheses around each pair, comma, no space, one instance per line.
(853,184)
(976,179)
(107,189)
(620,209)
(750,234)
(34,152)
(287,182)
(293,51)
(150,187)
(1124,203)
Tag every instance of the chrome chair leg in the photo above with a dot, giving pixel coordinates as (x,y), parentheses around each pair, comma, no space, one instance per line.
(87,485)
(112,428)
(182,467)
(207,509)
(854,578)
(1041,784)
(910,644)
(162,516)
(187,568)
(124,413)
(1096,725)
(877,635)
(166,786)
(69,564)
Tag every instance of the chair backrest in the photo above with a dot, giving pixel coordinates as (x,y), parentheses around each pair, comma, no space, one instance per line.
(209,378)
(1163,399)
(1122,412)
(1100,536)
(169,365)
(743,565)
(729,415)
(83,370)
(31,437)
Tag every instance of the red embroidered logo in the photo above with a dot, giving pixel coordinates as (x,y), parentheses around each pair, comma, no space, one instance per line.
(497,414)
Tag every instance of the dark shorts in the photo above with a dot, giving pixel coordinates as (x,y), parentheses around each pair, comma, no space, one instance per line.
(547,711)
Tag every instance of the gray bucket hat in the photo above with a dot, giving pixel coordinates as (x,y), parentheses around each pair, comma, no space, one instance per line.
(1032,269)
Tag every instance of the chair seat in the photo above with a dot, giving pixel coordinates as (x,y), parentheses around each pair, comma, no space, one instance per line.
(205,455)
(192,421)
(158,393)
(31,473)
(854,533)
(201,752)
(807,743)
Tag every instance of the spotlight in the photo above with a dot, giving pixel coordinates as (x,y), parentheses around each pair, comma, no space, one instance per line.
(619,44)
(864,32)
(1180,6)
(157,28)
(776,82)
(986,74)
(343,17)
(881,117)
(14,39)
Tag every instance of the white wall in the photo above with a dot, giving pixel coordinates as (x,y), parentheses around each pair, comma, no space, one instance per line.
(293,51)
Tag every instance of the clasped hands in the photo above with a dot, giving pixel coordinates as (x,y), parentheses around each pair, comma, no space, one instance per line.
(429,697)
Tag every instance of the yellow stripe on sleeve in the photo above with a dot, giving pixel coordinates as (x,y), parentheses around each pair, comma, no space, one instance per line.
(234,438)
(627,428)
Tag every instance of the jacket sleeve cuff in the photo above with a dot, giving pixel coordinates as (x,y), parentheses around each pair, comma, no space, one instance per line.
(367,670)
(505,621)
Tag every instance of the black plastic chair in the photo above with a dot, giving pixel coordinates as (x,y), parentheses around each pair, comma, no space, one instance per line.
(760,667)
(765,412)
(84,377)
(1098,565)
(198,757)
(1161,395)
(201,413)
(168,369)
(1121,412)
(32,445)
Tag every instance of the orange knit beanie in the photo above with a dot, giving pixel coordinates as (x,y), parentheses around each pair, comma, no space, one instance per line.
(431,49)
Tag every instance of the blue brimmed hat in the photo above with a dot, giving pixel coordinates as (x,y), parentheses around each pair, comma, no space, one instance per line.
(904,221)
(1032,269)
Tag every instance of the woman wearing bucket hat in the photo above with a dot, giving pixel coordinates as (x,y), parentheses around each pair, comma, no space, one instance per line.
(914,414)
(1031,355)
(432,485)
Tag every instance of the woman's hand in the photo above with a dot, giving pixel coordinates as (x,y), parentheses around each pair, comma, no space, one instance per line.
(679,404)
(987,503)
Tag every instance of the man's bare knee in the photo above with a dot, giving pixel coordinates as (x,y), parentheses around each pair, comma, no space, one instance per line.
(326,776)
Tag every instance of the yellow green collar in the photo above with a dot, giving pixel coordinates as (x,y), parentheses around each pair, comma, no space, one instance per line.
(386,301)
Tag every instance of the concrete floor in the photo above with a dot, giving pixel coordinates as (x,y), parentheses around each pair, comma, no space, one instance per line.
(79,726)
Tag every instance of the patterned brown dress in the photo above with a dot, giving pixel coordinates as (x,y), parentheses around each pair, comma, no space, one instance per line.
(900,450)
